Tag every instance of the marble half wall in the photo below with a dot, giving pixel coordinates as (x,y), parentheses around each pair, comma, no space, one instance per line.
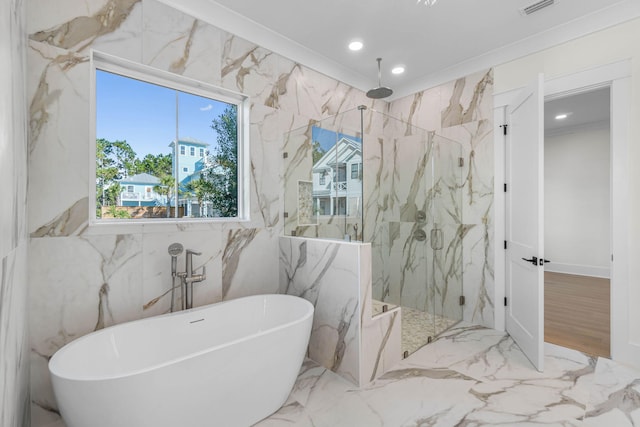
(335,276)
(14,340)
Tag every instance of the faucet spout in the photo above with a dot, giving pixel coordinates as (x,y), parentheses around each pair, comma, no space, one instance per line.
(191,278)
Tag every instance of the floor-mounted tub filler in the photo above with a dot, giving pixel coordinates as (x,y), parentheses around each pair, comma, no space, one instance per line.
(228,364)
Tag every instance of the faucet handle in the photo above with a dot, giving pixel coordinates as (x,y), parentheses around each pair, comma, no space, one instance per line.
(192,252)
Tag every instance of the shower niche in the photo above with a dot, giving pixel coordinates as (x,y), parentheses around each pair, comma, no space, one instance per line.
(365,177)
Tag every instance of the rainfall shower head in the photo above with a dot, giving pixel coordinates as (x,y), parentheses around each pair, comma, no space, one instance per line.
(380,91)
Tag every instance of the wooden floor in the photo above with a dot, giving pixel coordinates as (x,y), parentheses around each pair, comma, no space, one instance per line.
(576,312)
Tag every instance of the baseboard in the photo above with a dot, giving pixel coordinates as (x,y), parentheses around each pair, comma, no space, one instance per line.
(580,270)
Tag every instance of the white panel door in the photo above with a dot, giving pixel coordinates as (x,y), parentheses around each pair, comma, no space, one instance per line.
(524,221)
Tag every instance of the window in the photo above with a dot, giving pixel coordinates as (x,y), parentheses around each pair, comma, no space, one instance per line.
(142,116)
(355,170)
(342,173)
(323,179)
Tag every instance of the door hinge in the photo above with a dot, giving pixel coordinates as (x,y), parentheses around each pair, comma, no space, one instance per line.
(505,244)
(285,155)
(462,300)
(505,301)
(460,162)
(505,187)
(504,129)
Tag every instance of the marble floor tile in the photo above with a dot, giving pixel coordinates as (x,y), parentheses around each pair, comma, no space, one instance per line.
(470,376)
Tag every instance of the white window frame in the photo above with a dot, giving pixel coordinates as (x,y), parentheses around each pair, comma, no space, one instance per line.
(183,150)
(192,151)
(130,69)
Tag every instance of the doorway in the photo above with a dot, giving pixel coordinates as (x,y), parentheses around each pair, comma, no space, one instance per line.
(617,77)
(577,200)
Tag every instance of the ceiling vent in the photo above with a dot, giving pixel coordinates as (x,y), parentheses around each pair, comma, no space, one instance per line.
(534,7)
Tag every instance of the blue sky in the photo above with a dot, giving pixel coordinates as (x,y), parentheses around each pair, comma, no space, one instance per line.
(144,114)
(328,138)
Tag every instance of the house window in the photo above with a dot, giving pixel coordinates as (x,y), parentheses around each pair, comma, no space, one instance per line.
(323,178)
(129,188)
(355,170)
(140,115)
(342,173)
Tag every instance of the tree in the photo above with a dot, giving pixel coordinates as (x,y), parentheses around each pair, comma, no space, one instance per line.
(166,188)
(158,165)
(201,189)
(222,173)
(317,151)
(114,160)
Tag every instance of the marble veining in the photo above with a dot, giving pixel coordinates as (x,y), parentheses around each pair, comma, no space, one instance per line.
(469,376)
(79,33)
(14,308)
(241,256)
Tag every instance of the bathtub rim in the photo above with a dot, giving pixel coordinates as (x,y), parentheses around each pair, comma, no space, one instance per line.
(130,373)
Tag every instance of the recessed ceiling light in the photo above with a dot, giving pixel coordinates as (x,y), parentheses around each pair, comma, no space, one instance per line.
(398,70)
(355,45)
(561,116)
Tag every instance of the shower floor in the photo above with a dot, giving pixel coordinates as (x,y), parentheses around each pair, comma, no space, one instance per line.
(417,326)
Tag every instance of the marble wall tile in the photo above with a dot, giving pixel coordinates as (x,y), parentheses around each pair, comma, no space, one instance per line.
(78,285)
(467,99)
(248,68)
(267,126)
(14,343)
(478,266)
(249,262)
(105,25)
(180,44)
(326,273)
(59,129)
(156,269)
(14,369)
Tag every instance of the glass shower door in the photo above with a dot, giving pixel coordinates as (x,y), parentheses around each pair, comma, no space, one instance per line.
(445,234)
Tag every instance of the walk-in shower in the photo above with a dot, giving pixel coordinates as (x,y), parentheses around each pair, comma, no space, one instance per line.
(363,175)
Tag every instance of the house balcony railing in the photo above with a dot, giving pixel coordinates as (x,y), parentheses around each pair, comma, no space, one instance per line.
(137,196)
(340,186)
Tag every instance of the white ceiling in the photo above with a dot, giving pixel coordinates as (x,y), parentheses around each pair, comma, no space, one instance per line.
(435,43)
(583,109)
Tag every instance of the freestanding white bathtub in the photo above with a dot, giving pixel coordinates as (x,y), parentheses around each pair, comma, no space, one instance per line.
(227,364)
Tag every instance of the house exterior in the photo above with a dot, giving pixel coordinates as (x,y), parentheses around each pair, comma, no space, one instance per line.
(192,158)
(337,179)
(138,190)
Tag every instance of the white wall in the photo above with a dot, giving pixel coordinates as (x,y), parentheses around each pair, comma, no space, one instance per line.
(618,43)
(576,202)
